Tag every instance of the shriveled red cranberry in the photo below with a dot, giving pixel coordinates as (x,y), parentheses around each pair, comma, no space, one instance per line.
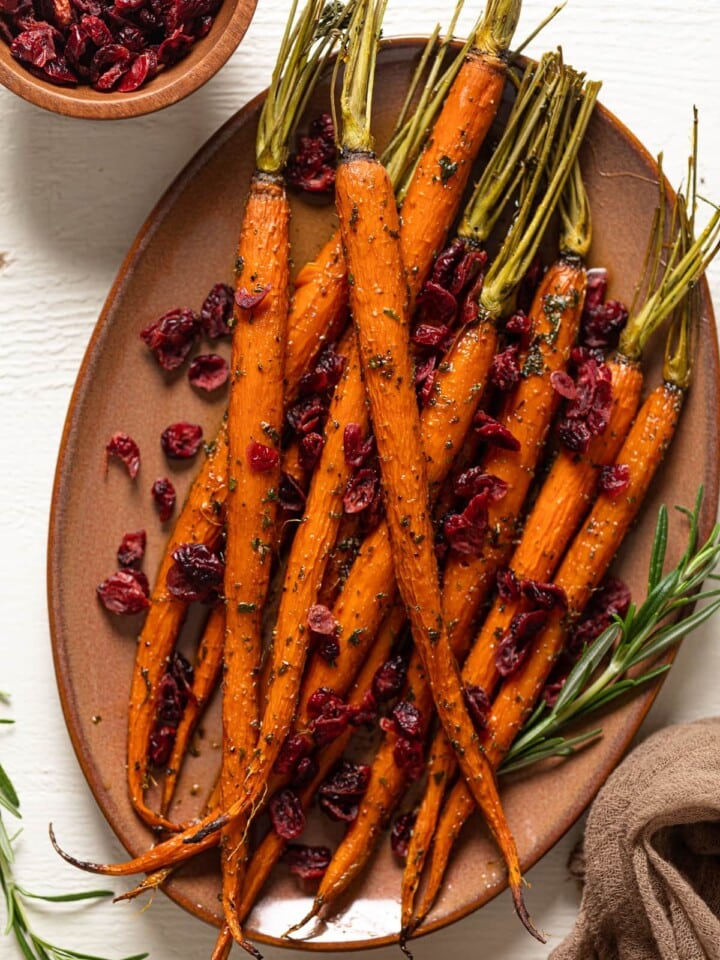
(306,415)
(446,263)
(467,272)
(196,574)
(390,678)
(36,46)
(339,794)
(493,432)
(171,337)
(507,585)
(408,720)
(163,493)
(563,384)
(261,457)
(323,632)
(431,335)
(326,375)
(286,814)
(306,771)
(465,532)
(409,757)
(574,434)
(294,747)
(331,716)
(401,833)
(610,600)
(249,299)
(131,549)
(364,712)
(473,481)
(306,862)
(320,698)
(209,371)
(362,489)
(615,479)
(175,47)
(478,705)
(357,451)
(309,450)
(108,65)
(122,446)
(58,72)
(162,740)
(587,413)
(505,369)
(181,441)
(426,375)
(601,321)
(518,325)
(169,702)
(125,592)
(437,302)
(545,596)
(513,647)
(217,311)
(312,167)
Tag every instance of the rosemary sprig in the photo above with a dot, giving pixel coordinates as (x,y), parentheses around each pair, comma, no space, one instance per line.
(645,633)
(31,945)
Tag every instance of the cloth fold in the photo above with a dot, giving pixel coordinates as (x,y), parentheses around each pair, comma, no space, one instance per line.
(650,859)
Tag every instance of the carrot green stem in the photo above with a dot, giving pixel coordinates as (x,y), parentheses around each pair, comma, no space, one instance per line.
(305,46)
(497,27)
(576,224)
(356,96)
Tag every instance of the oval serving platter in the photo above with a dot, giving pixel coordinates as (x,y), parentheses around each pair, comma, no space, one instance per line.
(187,245)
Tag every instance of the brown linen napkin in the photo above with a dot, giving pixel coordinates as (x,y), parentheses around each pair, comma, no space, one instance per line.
(651,854)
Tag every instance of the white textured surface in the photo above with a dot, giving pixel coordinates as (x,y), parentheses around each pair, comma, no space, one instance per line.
(72,196)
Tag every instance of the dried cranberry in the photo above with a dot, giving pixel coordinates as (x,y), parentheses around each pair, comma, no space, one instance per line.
(465,532)
(389,678)
(309,451)
(340,793)
(171,337)
(575,435)
(169,702)
(356,450)
(125,592)
(132,549)
(208,372)
(519,324)
(546,596)
(36,46)
(306,415)
(446,263)
(429,335)
(467,271)
(174,47)
(306,771)
(489,430)
(196,574)
(425,379)
(361,490)
(505,369)
(247,300)
(217,311)
(409,757)
(364,712)
(437,302)
(513,647)
(601,321)
(320,698)
(610,600)
(162,740)
(58,72)
(163,493)
(181,441)
(324,632)
(123,447)
(401,833)
(308,863)
(261,457)
(473,481)
(294,747)
(563,384)
(96,30)
(331,716)
(291,495)
(312,167)
(615,479)
(478,705)
(587,412)
(408,720)
(183,673)
(286,814)
(108,65)
(326,375)
(507,585)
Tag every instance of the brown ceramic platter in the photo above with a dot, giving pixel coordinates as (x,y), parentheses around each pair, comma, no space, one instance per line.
(172,84)
(185,247)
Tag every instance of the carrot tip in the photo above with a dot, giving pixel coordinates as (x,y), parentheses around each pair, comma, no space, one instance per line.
(306,919)
(522,912)
(405,933)
(249,948)
(82,864)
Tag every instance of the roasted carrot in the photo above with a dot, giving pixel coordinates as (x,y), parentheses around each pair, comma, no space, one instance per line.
(602,532)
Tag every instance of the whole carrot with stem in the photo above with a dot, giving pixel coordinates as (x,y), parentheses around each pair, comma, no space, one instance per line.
(594,547)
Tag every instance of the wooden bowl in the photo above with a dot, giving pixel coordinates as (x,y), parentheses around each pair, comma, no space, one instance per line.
(169,86)
(187,244)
